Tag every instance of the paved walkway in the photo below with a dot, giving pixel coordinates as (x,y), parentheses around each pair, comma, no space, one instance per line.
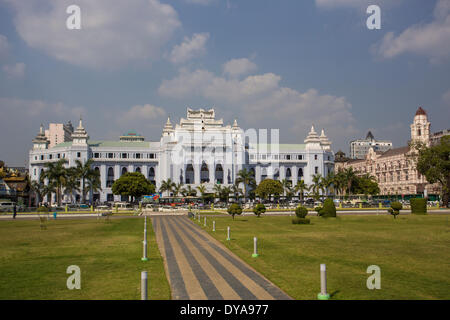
(201,268)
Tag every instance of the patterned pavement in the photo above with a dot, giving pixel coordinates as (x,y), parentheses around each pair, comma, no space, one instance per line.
(200,268)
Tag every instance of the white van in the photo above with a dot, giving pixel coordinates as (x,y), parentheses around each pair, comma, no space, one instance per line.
(6,206)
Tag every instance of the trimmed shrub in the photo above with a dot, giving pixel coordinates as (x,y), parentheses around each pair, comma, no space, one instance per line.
(42,209)
(395,208)
(301,212)
(234,209)
(329,210)
(259,208)
(300,221)
(418,205)
(318,210)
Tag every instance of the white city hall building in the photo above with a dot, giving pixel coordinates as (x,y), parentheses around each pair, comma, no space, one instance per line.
(198,150)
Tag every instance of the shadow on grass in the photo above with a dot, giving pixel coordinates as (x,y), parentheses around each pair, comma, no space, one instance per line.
(334,293)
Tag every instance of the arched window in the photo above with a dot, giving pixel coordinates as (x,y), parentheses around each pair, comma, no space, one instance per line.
(124,170)
(219,174)
(204,173)
(288,173)
(138,169)
(300,173)
(151,175)
(189,174)
(110,177)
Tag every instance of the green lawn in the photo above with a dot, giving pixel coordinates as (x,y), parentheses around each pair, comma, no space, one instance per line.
(33,262)
(412,252)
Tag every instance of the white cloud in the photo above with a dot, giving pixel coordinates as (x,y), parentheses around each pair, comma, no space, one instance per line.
(237,67)
(15,71)
(113,32)
(189,48)
(431,40)
(142,112)
(4,46)
(201,2)
(263,103)
(37,108)
(331,4)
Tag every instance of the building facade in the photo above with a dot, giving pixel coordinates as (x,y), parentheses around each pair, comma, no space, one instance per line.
(394,170)
(58,133)
(200,149)
(360,148)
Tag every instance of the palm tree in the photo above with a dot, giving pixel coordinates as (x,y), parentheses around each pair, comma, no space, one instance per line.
(93,181)
(301,187)
(246,178)
(328,182)
(236,191)
(218,191)
(226,193)
(167,185)
(339,183)
(188,192)
(72,183)
(177,189)
(287,187)
(85,172)
(202,189)
(38,187)
(317,185)
(56,175)
(350,177)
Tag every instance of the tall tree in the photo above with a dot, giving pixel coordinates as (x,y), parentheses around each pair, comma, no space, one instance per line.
(202,189)
(189,192)
(72,184)
(177,189)
(56,175)
(132,184)
(269,187)
(434,163)
(93,181)
(349,178)
(167,185)
(247,179)
(301,187)
(85,172)
(317,185)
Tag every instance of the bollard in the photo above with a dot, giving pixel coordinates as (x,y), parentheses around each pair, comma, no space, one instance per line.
(323,295)
(144,257)
(204,222)
(198,217)
(228,233)
(144,285)
(65,209)
(255,248)
(214,226)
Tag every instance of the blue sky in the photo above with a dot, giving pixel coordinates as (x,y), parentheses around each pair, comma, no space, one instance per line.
(270,64)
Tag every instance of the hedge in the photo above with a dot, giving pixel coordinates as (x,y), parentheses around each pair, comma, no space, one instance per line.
(418,205)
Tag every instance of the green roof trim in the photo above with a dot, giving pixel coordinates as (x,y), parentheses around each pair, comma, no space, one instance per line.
(110,144)
(281,147)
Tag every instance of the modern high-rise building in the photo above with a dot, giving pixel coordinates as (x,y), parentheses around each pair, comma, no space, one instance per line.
(360,148)
(58,133)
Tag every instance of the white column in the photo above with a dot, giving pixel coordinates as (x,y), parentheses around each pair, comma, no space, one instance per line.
(103,174)
(294,171)
(257,174)
(212,171)
(197,168)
